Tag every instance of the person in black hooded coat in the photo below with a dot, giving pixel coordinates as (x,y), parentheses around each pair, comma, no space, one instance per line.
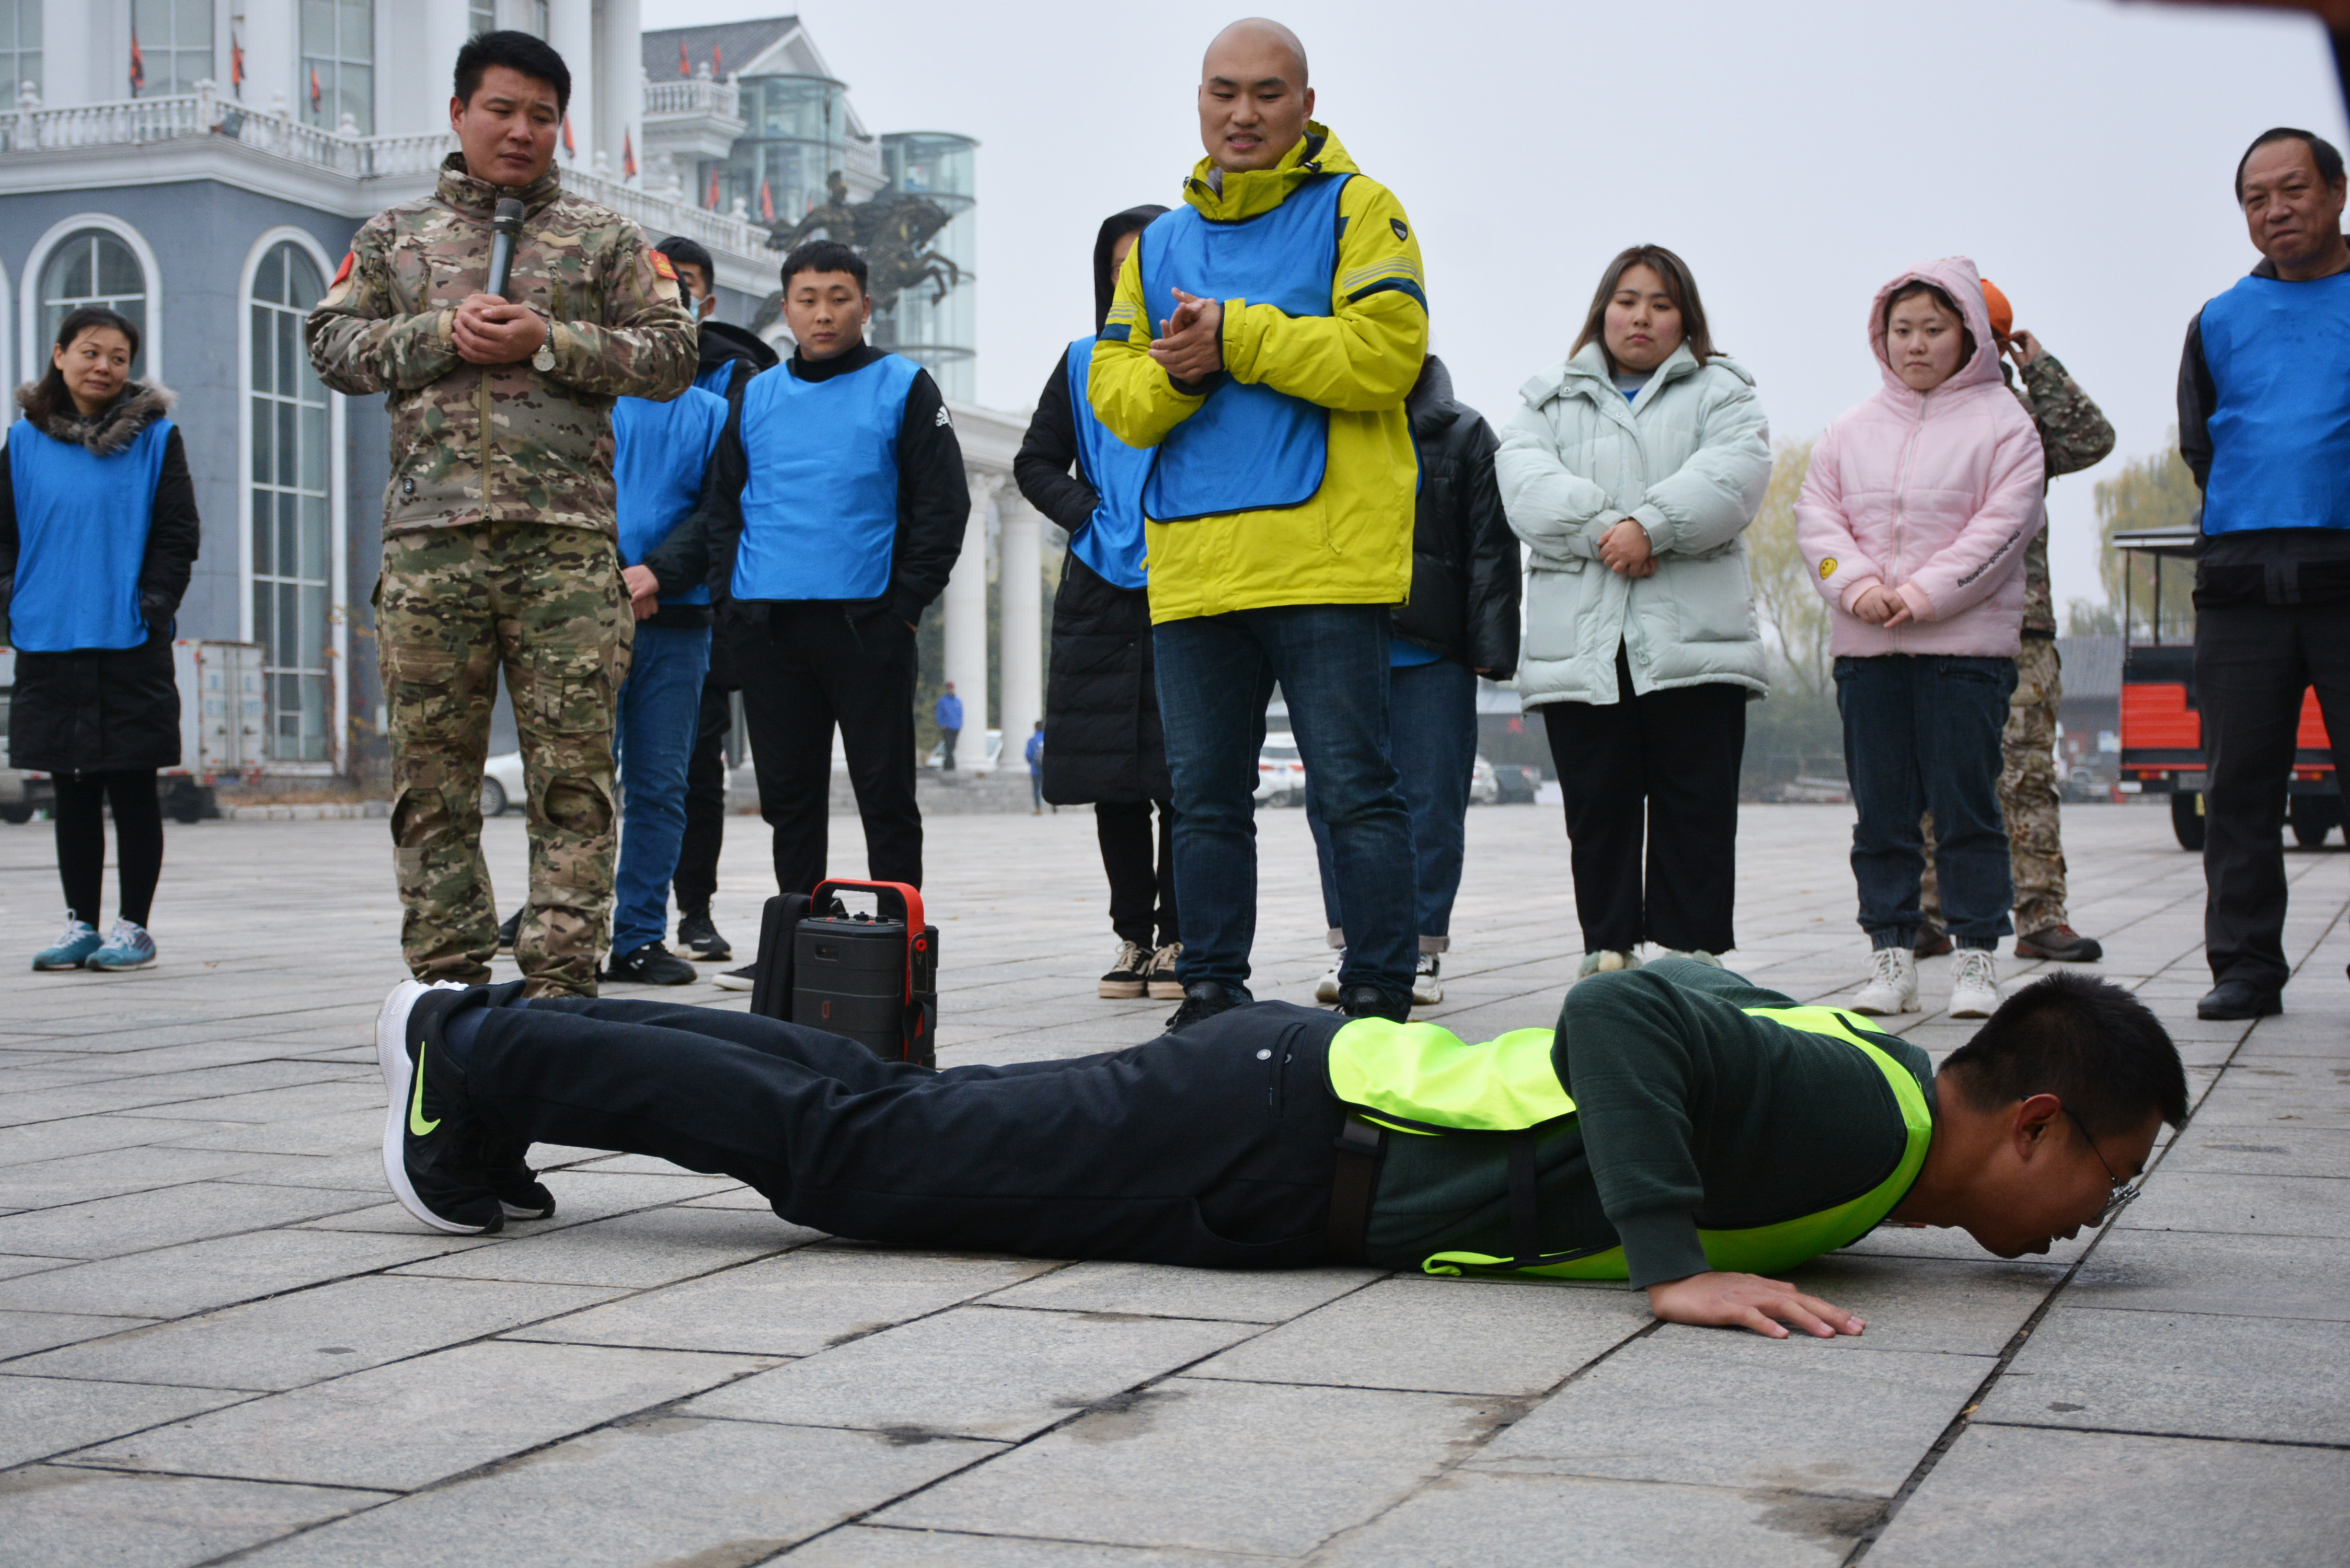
(1101,702)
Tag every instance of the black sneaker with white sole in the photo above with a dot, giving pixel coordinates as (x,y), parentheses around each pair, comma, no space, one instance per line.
(743,978)
(697,935)
(521,1194)
(651,964)
(432,1143)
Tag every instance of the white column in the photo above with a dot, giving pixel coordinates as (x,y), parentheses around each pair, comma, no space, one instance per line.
(570,28)
(418,64)
(71,35)
(1020,593)
(621,84)
(965,605)
(272,43)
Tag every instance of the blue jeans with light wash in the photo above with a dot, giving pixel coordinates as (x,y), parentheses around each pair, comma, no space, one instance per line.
(652,739)
(1433,736)
(1215,675)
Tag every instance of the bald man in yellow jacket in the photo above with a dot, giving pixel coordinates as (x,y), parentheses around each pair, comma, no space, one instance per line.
(1264,337)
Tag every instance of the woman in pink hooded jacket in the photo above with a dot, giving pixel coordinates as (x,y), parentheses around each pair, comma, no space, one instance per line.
(1914,520)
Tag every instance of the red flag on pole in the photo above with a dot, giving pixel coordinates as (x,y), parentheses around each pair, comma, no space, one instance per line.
(717,62)
(766,203)
(314,90)
(235,66)
(685,67)
(713,187)
(137,65)
(568,149)
(628,156)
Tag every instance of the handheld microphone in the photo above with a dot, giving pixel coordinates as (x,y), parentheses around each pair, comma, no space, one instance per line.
(505,227)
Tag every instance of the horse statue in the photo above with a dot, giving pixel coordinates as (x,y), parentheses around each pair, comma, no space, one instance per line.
(893,232)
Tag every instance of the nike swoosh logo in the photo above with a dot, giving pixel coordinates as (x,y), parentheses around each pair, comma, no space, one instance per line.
(417,1125)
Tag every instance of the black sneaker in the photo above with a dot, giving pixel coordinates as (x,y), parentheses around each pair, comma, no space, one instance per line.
(430,1144)
(1128,974)
(1202,999)
(699,938)
(743,978)
(1370,1001)
(521,1194)
(508,929)
(651,964)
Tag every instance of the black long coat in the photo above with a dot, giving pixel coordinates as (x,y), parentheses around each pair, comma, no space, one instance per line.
(104,709)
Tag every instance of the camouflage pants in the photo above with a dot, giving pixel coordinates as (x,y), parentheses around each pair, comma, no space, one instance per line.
(2027,796)
(545,605)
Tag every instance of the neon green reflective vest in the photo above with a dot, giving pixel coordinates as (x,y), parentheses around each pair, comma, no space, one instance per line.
(1419,1079)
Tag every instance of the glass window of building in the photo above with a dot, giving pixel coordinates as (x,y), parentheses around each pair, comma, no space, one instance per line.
(292,536)
(933,318)
(796,135)
(93,267)
(480,16)
(176,44)
(534,16)
(339,63)
(20,46)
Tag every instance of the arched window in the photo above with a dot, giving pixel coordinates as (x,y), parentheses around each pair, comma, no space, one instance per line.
(92,267)
(293,536)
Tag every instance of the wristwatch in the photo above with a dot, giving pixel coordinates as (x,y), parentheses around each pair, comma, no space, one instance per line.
(543,360)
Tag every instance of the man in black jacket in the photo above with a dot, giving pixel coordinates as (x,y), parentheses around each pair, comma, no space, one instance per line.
(1461,622)
(834,513)
(2264,424)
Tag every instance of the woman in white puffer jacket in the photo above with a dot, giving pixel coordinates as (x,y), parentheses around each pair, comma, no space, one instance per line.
(1631,473)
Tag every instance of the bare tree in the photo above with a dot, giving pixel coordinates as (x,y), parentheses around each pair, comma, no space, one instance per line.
(1790,607)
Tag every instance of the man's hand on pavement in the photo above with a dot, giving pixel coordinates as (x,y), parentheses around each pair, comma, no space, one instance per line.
(1748,1301)
(489,331)
(1624,549)
(1191,343)
(644,590)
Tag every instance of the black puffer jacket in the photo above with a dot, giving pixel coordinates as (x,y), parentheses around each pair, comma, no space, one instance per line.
(1103,737)
(105,709)
(1465,567)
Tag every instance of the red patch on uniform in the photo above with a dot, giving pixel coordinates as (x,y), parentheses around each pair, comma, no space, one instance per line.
(661,265)
(344,271)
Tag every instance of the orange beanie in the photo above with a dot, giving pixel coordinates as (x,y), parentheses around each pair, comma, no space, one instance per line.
(2002,313)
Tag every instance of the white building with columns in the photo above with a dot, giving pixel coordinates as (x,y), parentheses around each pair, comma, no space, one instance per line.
(201,166)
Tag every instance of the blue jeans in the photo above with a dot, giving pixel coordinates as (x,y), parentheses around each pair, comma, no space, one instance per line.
(652,739)
(1215,674)
(1921,732)
(1433,736)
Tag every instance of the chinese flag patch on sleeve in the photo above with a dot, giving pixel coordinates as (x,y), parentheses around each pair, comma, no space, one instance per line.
(344,271)
(661,264)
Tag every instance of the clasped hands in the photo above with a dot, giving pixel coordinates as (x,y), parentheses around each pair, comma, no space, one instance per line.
(489,331)
(1191,343)
(1624,549)
(1880,605)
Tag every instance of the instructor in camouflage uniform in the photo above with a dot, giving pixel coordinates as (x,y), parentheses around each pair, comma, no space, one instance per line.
(499,536)
(2076,435)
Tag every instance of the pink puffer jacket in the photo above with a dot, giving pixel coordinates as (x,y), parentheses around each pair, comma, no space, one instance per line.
(1934,494)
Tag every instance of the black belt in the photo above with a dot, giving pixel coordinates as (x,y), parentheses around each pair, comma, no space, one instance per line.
(1359,1144)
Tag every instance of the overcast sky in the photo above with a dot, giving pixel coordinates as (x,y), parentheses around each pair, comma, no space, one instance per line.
(1797,155)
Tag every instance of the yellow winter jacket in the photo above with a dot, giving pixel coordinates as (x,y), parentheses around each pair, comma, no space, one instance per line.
(1351,542)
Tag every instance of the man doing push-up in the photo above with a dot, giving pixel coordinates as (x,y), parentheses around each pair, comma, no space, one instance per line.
(1680,1128)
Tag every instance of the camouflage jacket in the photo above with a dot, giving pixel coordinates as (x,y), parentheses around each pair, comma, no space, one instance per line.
(2076,435)
(501,442)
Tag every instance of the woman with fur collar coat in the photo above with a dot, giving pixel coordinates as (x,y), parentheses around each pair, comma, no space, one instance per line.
(99,533)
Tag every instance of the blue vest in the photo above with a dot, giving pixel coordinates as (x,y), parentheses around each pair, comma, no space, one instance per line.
(820,506)
(2279,356)
(1112,543)
(81,536)
(718,376)
(660,454)
(1248,448)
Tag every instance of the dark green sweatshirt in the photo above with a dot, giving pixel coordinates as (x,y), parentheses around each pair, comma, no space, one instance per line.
(1688,1113)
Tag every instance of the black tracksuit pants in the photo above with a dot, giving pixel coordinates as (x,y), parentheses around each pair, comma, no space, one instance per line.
(2253,662)
(1142,908)
(806,667)
(696,880)
(1214,1149)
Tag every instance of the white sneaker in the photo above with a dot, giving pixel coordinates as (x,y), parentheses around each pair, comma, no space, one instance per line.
(1695,955)
(1325,990)
(1427,990)
(1892,985)
(1606,962)
(1974,984)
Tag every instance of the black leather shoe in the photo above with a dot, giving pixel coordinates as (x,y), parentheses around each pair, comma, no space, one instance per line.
(1370,1001)
(1202,999)
(2239,999)
(507,929)
(651,964)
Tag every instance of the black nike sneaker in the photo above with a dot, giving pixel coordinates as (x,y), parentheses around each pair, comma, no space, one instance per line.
(697,935)
(432,1145)
(521,1194)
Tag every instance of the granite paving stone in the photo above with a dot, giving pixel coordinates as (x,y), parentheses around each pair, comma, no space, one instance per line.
(2186,1374)
(651,1247)
(661,1490)
(81,1179)
(403,1426)
(2101,1499)
(44,1416)
(868,1546)
(2242,1276)
(307,1336)
(26,1333)
(189,1212)
(580,1197)
(974,1371)
(54,1513)
(1967,1306)
(804,1302)
(2277,1150)
(173,1281)
(1155,1290)
(1721,1408)
(2239,1205)
(1213,1465)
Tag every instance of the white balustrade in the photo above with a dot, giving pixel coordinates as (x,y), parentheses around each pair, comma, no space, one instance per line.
(693,94)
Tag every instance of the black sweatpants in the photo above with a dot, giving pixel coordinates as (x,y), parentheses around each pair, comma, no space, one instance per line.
(2253,662)
(1141,893)
(1213,1150)
(696,880)
(1666,762)
(81,812)
(808,667)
